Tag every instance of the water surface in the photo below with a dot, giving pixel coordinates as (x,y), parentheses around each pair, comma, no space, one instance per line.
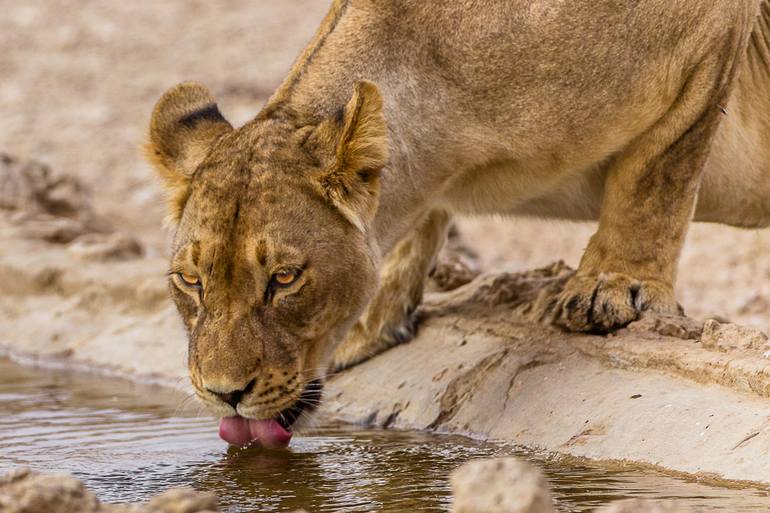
(129,442)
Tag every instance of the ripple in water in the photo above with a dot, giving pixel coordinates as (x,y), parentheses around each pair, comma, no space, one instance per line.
(129,442)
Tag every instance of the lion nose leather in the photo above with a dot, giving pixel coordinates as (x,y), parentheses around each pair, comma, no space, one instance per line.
(233,397)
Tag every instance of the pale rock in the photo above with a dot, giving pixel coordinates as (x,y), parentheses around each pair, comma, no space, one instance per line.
(728,336)
(105,247)
(25,491)
(505,485)
(182,500)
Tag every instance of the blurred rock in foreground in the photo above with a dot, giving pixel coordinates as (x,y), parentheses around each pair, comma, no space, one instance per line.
(509,485)
(26,491)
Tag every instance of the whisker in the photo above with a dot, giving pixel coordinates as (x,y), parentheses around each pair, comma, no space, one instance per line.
(183,403)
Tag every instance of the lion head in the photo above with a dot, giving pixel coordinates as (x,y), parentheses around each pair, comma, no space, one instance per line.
(272,258)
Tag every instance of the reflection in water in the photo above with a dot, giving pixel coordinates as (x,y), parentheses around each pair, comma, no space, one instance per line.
(129,442)
(343,470)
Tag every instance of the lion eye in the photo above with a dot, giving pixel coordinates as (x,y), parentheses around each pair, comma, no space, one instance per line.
(285,277)
(190,279)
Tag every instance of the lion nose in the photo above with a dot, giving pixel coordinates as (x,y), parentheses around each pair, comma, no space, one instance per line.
(233,397)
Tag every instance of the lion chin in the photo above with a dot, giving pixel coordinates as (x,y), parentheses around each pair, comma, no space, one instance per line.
(274,433)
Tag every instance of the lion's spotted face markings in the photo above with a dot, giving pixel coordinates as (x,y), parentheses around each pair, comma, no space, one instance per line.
(271,260)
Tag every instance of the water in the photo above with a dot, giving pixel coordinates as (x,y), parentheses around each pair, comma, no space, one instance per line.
(129,442)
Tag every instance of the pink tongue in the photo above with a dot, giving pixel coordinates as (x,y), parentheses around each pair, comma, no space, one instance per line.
(242,432)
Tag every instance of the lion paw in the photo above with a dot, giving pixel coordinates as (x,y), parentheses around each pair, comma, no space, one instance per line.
(610,301)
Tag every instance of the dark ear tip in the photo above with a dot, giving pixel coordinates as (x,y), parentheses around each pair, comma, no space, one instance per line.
(366,87)
(187,94)
(368,91)
(179,101)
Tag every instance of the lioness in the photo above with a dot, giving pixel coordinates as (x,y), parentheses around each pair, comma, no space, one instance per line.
(304,237)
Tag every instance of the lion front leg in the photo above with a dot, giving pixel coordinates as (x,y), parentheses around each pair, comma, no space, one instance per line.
(389,318)
(629,265)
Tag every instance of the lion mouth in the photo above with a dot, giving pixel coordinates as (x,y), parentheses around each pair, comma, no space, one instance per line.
(308,401)
(270,433)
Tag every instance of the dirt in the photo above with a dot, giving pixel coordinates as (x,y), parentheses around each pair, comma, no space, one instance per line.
(667,392)
(82,258)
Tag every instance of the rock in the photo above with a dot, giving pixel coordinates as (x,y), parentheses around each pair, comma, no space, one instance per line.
(505,485)
(643,506)
(43,205)
(676,326)
(509,485)
(25,491)
(182,500)
(456,265)
(724,337)
(528,295)
(102,248)
(56,230)
(31,186)
(452,271)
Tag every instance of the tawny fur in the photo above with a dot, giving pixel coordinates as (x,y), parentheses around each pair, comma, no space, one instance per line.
(638,114)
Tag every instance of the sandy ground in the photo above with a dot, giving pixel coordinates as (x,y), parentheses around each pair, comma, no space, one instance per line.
(77,84)
(79,80)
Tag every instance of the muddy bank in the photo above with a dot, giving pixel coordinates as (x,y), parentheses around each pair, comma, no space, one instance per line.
(684,395)
(504,485)
(675,393)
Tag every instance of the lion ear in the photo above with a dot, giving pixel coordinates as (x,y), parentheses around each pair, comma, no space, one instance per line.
(351,180)
(185,123)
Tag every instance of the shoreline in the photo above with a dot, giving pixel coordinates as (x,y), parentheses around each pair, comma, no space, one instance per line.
(505,377)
